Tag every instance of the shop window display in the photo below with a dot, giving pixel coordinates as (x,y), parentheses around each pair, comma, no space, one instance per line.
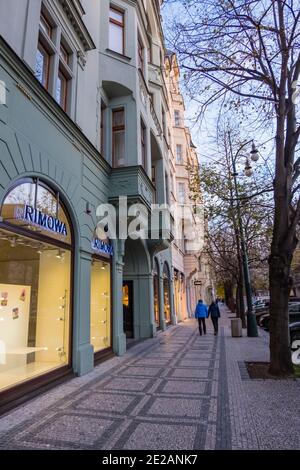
(167,307)
(35,283)
(100,305)
(156,295)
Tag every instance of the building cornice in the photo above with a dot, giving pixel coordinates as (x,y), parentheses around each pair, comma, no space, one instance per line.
(74,11)
(38,95)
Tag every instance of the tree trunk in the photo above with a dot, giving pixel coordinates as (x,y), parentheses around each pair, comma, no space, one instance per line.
(240,303)
(280,284)
(229,297)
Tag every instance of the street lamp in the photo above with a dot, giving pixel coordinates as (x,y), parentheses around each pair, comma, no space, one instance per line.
(251,320)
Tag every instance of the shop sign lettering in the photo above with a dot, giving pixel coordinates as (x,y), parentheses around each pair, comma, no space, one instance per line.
(102,247)
(36,217)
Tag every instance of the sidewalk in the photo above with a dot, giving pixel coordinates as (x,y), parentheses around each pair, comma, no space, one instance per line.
(177,391)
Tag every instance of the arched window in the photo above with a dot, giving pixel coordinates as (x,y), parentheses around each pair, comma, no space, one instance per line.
(35,284)
(31,205)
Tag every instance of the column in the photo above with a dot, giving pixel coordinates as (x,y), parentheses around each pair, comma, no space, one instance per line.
(172,306)
(83,351)
(161,304)
(119,337)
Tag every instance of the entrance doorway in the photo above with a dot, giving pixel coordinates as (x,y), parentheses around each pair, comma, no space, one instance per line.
(128,308)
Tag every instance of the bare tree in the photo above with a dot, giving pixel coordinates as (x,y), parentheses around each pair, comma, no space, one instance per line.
(250,49)
(255,199)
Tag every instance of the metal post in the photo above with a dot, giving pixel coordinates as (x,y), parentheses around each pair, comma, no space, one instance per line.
(251,320)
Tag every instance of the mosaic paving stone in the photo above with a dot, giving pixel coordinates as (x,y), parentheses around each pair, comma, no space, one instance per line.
(152,436)
(176,407)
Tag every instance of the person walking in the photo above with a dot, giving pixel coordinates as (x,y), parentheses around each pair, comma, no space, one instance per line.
(214,313)
(201,312)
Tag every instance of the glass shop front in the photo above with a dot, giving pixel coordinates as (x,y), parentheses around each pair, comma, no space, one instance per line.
(36,258)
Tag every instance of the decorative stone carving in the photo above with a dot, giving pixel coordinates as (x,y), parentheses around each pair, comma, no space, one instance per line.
(81,59)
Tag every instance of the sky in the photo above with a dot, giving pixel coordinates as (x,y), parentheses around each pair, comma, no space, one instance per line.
(204,134)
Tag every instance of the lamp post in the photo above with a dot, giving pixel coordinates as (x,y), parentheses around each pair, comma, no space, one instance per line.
(251,320)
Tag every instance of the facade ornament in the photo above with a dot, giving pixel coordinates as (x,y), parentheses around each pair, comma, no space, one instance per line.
(81,59)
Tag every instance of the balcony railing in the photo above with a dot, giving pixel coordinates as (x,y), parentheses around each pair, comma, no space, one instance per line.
(133,182)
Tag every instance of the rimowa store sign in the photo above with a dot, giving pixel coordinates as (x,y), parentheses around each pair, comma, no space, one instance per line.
(38,218)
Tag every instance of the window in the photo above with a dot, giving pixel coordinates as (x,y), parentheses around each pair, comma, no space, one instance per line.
(62,90)
(167,188)
(177,118)
(102,130)
(45,26)
(52,49)
(163,118)
(118,138)
(179,159)
(116,30)
(144,144)
(100,305)
(172,182)
(181,193)
(153,175)
(149,54)
(42,66)
(35,284)
(151,98)
(64,55)
(140,54)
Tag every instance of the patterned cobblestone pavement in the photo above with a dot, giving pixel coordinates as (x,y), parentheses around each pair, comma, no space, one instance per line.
(177,391)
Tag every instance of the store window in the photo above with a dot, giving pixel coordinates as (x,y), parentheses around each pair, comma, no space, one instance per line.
(167,306)
(156,293)
(35,284)
(100,305)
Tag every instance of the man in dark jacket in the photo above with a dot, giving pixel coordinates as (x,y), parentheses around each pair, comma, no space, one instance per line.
(201,313)
(214,312)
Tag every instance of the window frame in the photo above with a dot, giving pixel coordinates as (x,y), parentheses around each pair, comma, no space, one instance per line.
(177,118)
(163,120)
(141,54)
(119,24)
(118,129)
(64,54)
(103,128)
(46,26)
(179,161)
(42,49)
(143,130)
(180,186)
(63,103)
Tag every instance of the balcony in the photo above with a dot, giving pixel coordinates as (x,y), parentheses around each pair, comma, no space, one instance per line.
(133,182)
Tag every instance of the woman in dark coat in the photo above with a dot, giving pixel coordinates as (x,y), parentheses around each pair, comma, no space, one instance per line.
(214,312)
